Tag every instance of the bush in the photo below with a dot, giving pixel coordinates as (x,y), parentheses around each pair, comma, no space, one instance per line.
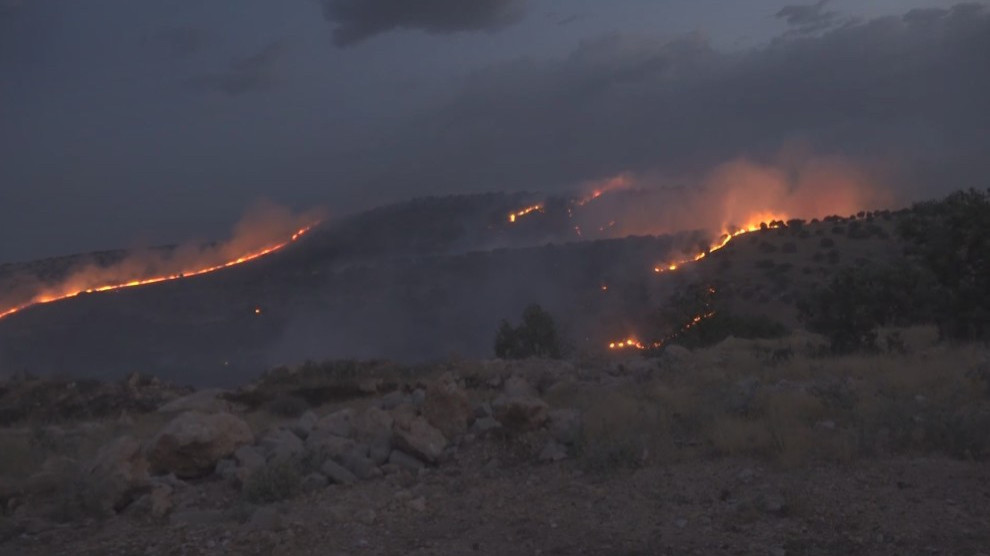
(951,239)
(767,247)
(273,482)
(858,300)
(827,243)
(287,406)
(535,337)
(789,247)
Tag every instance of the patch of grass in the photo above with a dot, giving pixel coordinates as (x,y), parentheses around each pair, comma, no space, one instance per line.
(273,483)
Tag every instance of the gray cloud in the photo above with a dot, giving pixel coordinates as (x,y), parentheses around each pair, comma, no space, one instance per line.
(182,41)
(357,20)
(245,75)
(10,7)
(904,96)
(809,18)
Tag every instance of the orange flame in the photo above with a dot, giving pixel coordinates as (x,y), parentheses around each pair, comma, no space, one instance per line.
(50,297)
(633,343)
(523,212)
(621,181)
(755,224)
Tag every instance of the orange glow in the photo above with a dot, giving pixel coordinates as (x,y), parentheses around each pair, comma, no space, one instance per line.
(257,310)
(68,292)
(754,225)
(620,181)
(513,216)
(633,343)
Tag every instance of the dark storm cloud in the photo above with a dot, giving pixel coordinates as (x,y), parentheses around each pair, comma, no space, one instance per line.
(801,15)
(245,75)
(810,18)
(905,94)
(357,20)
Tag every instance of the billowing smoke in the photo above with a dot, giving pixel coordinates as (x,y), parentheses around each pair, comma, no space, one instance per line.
(740,193)
(263,229)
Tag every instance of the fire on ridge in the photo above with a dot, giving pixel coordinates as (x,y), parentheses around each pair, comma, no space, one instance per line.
(59,294)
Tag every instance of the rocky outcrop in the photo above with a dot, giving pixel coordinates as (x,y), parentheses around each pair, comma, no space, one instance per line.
(446,407)
(120,473)
(204,401)
(519,407)
(419,438)
(191,444)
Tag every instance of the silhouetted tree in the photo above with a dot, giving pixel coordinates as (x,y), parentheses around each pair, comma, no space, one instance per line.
(535,337)
(951,238)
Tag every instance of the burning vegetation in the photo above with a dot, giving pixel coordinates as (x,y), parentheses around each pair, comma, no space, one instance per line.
(262,232)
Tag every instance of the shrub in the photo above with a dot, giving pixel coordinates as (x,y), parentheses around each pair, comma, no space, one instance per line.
(535,337)
(273,482)
(789,247)
(287,406)
(859,300)
(951,239)
(827,243)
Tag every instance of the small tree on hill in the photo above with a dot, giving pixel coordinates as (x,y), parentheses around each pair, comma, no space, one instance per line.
(535,337)
(951,238)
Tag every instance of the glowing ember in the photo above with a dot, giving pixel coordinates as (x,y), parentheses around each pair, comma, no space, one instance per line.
(633,343)
(49,297)
(257,310)
(513,216)
(755,225)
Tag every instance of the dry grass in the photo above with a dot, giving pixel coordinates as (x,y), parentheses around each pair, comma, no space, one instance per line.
(732,400)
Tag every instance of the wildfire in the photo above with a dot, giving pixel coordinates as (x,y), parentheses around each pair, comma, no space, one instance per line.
(755,224)
(513,216)
(633,343)
(50,297)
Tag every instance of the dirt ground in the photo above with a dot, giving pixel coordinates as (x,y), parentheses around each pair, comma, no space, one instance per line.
(478,505)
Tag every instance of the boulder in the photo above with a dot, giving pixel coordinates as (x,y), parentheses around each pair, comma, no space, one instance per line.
(314,482)
(323,445)
(281,446)
(205,401)
(394,399)
(420,439)
(373,424)
(249,457)
(520,411)
(565,426)
(191,444)
(404,461)
(305,425)
(485,425)
(338,423)
(359,464)
(447,408)
(337,473)
(118,473)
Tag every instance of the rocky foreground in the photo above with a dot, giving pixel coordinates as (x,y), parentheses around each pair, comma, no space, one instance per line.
(505,458)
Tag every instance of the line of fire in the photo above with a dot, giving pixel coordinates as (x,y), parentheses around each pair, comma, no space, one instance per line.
(70,291)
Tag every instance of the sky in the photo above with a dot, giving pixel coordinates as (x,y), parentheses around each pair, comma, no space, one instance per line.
(127,123)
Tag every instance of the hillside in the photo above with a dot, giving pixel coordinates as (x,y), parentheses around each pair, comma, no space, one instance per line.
(419,281)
